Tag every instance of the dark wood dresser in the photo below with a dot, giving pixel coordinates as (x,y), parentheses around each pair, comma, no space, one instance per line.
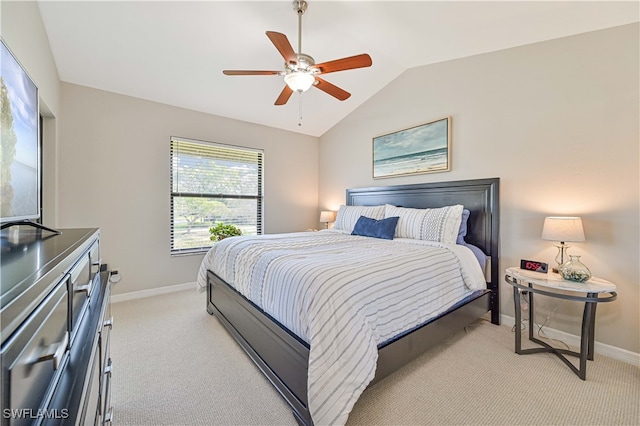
(55,323)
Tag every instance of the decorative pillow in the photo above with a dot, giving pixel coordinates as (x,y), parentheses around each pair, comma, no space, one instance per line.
(348,216)
(383,228)
(409,223)
(441,224)
(462,232)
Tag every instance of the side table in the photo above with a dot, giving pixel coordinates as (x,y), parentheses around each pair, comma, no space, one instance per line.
(552,285)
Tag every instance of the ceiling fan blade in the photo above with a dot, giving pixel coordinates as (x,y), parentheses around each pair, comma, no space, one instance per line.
(249,72)
(352,62)
(281,43)
(332,89)
(284,96)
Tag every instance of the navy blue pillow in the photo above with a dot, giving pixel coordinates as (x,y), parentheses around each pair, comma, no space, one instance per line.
(383,228)
(463,227)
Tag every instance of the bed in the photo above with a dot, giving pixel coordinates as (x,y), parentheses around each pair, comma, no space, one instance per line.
(284,356)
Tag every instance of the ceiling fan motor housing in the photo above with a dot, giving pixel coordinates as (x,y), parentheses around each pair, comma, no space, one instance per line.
(305,62)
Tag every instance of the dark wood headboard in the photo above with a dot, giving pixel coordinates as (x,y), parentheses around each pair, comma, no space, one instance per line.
(479,196)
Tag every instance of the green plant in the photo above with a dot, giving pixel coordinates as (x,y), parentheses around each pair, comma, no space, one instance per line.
(222,231)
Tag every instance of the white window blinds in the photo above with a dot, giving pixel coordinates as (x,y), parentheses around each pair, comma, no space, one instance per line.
(213,183)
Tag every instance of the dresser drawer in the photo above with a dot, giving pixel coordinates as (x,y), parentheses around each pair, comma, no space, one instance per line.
(106,324)
(107,408)
(94,258)
(81,283)
(78,389)
(34,357)
(91,409)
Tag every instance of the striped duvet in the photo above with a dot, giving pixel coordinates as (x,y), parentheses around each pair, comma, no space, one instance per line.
(344,295)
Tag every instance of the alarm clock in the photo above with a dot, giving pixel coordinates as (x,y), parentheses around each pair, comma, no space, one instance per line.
(533,265)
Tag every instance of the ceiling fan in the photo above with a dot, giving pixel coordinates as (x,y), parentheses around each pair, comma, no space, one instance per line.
(300,70)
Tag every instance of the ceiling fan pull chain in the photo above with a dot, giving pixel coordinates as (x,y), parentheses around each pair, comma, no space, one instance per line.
(300,109)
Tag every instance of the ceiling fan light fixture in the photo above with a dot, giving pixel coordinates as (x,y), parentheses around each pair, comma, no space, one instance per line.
(299,81)
(300,70)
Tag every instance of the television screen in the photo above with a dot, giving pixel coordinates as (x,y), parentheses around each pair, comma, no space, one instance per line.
(19,142)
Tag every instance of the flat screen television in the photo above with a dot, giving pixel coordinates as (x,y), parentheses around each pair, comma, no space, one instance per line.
(20,195)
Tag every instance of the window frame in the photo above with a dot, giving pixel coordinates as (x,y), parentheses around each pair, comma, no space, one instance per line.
(175,151)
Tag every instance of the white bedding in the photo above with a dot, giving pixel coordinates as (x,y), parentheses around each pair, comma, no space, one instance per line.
(344,295)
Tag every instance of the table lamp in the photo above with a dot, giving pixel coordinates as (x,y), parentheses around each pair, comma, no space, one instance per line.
(562,228)
(327,216)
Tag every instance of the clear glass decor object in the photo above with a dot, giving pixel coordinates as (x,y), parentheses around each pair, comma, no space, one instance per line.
(574,270)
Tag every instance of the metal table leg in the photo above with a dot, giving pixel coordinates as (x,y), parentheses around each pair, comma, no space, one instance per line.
(518,318)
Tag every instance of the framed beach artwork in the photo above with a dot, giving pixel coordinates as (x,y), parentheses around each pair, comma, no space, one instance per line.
(421,149)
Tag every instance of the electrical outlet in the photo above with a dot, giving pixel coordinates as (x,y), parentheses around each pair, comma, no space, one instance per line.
(115,275)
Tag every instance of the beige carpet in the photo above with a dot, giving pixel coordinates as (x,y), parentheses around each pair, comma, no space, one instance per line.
(176,365)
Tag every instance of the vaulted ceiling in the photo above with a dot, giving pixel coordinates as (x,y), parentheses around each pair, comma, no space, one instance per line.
(174,52)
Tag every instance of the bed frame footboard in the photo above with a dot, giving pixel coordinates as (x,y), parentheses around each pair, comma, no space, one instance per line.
(281,356)
(402,351)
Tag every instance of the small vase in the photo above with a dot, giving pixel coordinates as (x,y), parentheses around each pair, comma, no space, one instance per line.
(574,270)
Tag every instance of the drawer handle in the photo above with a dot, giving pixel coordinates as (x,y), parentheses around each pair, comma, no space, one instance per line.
(108,323)
(54,352)
(86,288)
(108,417)
(95,266)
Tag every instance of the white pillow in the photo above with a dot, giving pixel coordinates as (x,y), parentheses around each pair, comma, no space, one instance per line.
(441,224)
(349,215)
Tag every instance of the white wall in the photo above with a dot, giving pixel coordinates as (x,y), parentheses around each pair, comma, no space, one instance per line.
(114,174)
(558,123)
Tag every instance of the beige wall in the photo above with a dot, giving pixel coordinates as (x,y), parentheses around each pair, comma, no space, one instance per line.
(115,168)
(22,29)
(558,123)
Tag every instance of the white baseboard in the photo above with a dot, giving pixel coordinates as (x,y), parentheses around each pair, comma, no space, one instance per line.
(116,298)
(573,340)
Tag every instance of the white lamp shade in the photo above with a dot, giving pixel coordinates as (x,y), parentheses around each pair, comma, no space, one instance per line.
(299,81)
(327,216)
(558,228)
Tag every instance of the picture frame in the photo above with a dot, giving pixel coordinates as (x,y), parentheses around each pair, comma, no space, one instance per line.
(425,148)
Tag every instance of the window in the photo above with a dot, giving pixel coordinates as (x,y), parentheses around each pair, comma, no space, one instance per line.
(212,183)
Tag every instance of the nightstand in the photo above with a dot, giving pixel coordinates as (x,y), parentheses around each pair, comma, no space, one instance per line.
(551,284)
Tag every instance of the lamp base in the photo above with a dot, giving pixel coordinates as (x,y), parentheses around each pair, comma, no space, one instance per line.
(562,250)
